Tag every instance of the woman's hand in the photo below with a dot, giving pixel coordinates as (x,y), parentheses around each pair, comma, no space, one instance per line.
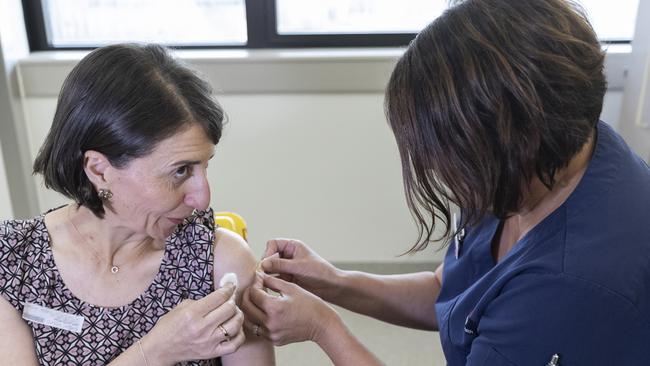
(196,330)
(295,262)
(291,315)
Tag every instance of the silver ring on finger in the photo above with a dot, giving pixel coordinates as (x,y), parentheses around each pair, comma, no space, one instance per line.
(256,330)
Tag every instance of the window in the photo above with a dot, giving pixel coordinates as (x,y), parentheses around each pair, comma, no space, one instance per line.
(614,21)
(88,23)
(355,17)
(70,24)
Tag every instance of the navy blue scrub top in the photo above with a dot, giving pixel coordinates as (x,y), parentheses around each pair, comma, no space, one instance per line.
(577,285)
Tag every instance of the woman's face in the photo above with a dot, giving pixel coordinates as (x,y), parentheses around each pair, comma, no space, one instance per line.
(154,193)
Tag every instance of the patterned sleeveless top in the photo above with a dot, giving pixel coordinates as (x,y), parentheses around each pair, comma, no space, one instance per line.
(28,274)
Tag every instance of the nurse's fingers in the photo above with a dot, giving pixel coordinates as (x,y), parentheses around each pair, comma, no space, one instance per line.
(284,247)
(260,298)
(252,311)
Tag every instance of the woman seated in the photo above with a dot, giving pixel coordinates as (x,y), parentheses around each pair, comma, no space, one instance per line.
(127,274)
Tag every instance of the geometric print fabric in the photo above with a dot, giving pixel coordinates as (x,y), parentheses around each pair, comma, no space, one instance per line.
(28,273)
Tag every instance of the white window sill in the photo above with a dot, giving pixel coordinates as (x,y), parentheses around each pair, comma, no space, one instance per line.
(318,70)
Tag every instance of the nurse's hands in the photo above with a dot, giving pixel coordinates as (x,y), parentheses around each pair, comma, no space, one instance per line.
(197,330)
(289,315)
(291,307)
(297,263)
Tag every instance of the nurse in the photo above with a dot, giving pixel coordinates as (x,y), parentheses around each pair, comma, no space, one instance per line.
(495,109)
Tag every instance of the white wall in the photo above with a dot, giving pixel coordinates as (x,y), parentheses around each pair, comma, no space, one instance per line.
(323,168)
(635,116)
(15,168)
(302,156)
(612,108)
(6,211)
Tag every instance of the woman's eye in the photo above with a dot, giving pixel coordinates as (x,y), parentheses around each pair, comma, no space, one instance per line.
(181,172)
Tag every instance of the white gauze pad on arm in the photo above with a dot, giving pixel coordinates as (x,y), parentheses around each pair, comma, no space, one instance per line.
(228,278)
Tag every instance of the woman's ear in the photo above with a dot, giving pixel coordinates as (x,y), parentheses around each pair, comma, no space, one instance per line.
(96,165)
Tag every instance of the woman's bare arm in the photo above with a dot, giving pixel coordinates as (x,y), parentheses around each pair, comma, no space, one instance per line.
(232,254)
(16,340)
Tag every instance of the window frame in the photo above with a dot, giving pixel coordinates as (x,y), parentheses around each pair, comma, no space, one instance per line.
(261,28)
(261,22)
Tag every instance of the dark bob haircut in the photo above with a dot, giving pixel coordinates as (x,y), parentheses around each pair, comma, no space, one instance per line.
(490,95)
(121,101)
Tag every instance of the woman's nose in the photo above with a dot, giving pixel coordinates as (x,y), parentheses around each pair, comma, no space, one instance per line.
(198,196)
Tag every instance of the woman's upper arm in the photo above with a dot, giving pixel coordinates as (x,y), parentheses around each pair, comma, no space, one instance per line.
(16,341)
(232,254)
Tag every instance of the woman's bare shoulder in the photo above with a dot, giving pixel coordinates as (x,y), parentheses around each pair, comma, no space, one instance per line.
(232,254)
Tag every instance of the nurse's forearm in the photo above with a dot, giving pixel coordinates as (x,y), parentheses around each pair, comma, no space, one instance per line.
(405,299)
(343,348)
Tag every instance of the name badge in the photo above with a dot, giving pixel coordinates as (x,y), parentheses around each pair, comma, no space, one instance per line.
(53,318)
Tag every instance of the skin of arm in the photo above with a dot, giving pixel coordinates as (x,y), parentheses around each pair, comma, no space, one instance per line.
(343,348)
(298,315)
(306,281)
(405,299)
(16,341)
(418,291)
(232,254)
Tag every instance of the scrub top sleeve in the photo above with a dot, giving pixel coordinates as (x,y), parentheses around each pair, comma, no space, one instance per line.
(538,315)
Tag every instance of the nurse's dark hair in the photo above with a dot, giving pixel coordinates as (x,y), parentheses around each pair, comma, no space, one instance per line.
(121,100)
(488,96)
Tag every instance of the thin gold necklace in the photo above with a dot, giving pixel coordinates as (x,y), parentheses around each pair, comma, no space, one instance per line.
(115,269)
